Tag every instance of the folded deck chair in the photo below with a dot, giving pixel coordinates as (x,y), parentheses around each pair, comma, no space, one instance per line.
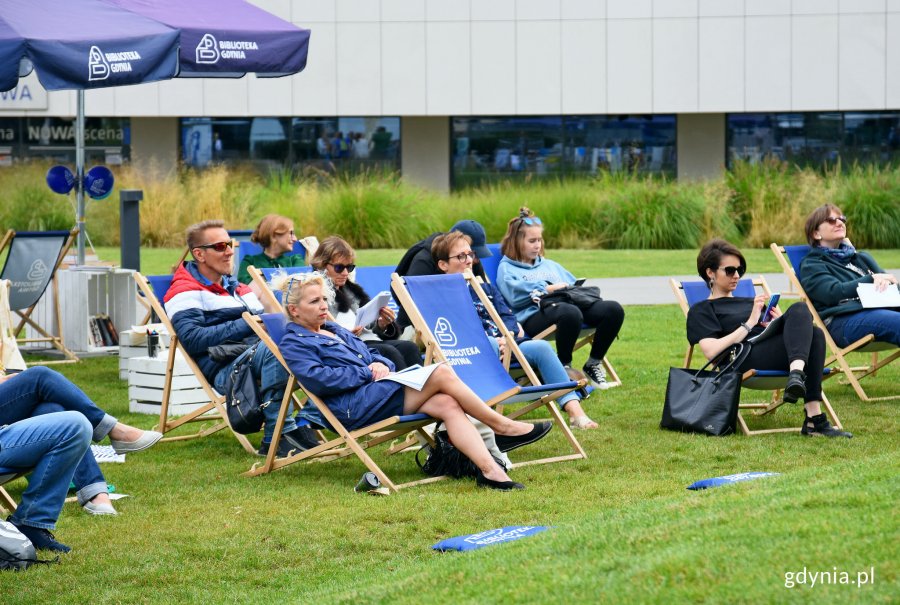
(270,328)
(31,264)
(690,293)
(440,307)
(790,257)
(154,288)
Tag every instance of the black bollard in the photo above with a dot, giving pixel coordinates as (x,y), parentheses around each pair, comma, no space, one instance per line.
(130,227)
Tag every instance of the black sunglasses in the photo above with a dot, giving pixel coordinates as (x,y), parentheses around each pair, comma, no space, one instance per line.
(730,271)
(339,267)
(218,246)
(832,220)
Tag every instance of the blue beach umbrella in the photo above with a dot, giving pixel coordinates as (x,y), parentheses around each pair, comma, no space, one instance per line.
(84,44)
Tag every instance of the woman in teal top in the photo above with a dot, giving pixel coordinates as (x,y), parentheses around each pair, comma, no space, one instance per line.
(275,233)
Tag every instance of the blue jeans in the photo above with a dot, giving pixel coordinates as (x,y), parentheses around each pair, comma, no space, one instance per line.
(22,393)
(88,479)
(52,445)
(883,323)
(541,356)
(272,378)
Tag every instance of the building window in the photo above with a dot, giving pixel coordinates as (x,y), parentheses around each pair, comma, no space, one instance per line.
(513,148)
(106,140)
(330,144)
(817,140)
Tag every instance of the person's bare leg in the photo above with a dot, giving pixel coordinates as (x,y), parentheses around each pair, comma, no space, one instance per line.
(813,408)
(463,434)
(444,380)
(574,410)
(124,432)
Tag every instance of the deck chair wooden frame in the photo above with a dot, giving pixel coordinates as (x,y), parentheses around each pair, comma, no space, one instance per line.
(212,411)
(433,352)
(866,344)
(347,442)
(7,503)
(757,380)
(25,314)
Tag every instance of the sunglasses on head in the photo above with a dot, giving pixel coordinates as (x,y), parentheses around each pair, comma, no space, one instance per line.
(463,256)
(340,267)
(218,246)
(531,220)
(832,220)
(730,271)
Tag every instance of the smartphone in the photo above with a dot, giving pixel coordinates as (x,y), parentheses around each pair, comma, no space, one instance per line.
(767,314)
(579,282)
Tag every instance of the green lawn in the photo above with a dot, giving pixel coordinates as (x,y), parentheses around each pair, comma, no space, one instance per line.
(624,527)
(586,263)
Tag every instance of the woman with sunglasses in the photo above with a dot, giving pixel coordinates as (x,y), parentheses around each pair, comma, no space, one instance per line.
(334,257)
(830,274)
(275,233)
(524,276)
(723,320)
(338,367)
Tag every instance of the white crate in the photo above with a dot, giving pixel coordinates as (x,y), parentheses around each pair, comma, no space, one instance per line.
(147,377)
(134,344)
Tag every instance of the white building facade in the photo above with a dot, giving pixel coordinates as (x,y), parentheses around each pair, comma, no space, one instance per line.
(452,92)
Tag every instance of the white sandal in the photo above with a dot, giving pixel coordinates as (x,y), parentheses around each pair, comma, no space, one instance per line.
(583,423)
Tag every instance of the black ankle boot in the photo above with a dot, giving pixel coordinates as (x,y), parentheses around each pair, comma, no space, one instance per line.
(818,426)
(795,387)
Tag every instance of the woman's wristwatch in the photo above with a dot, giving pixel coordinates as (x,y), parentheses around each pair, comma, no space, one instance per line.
(746,327)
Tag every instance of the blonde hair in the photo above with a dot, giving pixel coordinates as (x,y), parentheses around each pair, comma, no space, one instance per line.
(511,244)
(291,287)
(192,234)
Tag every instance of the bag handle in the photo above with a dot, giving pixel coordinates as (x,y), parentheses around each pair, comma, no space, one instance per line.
(739,353)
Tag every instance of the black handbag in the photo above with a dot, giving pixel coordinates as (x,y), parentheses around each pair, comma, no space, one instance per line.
(445,459)
(245,412)
(705,401)
(580,296)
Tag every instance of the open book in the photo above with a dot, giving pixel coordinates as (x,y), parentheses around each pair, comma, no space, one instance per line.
(414,377)
(873,299)
(369,312)
(769,330)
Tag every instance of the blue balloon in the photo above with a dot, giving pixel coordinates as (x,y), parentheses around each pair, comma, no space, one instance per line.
(60,179)
(98,182)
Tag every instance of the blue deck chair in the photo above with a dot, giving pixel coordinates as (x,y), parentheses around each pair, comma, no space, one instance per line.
(32,259)
(270,327)
(246,248)
(441,310)
(375,280)
(866,344)
(154,288)
(690,293)
(491,263)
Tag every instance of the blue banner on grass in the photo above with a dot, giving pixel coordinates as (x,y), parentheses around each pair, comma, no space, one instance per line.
(486,538)
(728,479)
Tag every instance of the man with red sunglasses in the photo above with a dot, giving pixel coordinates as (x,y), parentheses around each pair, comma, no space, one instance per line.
(205,303)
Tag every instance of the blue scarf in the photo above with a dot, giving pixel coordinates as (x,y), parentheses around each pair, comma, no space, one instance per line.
(842,253)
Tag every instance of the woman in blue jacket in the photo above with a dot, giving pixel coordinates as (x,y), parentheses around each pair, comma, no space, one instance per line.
(525,276)
(338,367)
(830,274)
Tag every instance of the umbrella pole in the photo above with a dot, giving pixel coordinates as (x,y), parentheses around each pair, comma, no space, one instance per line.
(79,174)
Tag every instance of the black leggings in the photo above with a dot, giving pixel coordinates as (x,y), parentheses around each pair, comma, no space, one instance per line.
(604,315)
(799,339)
(403,353)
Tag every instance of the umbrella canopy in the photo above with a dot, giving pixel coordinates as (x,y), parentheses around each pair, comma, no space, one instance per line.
(69,44)
(82,44)
(227,38)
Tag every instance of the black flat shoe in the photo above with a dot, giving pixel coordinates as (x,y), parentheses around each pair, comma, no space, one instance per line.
(508,443)
(503,486)
(795,387)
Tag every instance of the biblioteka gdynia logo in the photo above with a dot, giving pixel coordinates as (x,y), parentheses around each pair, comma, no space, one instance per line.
(209,50)
(101,64)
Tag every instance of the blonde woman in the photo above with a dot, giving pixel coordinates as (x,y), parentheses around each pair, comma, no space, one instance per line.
(337,366)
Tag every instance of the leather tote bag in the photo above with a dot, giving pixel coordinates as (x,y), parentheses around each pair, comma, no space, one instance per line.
(705,401)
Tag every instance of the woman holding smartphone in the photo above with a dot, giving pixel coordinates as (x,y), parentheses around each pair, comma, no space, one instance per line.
(794,344)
